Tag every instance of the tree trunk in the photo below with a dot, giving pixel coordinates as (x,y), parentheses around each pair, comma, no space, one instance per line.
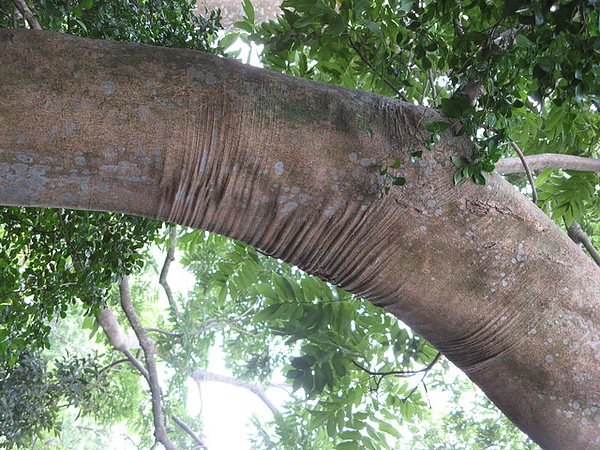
(290,166)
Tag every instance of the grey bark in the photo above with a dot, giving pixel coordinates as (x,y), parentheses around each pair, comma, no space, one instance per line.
(548,161)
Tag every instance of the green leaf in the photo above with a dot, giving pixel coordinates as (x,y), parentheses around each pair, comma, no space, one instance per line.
(479,178)
(373,27)
(318,418)
(294,373)
(458,177)
(244,25)
(397,181)
(397,164)
(228,40)
(303,362)
(523,41)
(458,162)
(328,373)
(248,11)
(438,126)
(350,434)
(267,313)
(284,288)
(389,429)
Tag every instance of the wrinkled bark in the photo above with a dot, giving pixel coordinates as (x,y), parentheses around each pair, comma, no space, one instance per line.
(290,166)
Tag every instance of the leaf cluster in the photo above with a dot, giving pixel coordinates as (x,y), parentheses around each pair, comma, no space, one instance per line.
(168,23)
(50,259)
(31,394)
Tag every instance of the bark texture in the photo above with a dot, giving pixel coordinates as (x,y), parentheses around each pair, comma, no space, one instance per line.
(290,166)
(548,161)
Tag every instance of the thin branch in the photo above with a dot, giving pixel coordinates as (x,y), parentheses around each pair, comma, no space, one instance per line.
(189,431)
(169,258)
(579,236)
(399,373)
(147,345)
(27,14)
(527,171)
(412,391)
(138,365)
(549,161)
(214,322)
(433,90)
(200,375)
(168,333)
(374,69)
(116,363)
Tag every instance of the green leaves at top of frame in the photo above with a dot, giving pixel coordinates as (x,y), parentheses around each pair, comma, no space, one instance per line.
(169,23)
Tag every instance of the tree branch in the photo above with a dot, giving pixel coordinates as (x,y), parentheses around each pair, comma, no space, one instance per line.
(434,91)
(526,168)
(147,345)
(548,161)
(119,340)
(27,14)
(200,375)
(374,69)
(189,431)
(168,333)
(399,373)
(214,322)
(113,331)
(579,236)
(169,258)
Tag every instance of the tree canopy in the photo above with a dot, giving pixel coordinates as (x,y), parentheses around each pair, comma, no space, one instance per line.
(519,77)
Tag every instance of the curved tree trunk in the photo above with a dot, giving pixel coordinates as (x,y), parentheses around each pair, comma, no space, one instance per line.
(290,166)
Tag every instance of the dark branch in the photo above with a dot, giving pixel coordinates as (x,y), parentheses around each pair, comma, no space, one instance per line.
(527,171)
(399,373)
(169,258)
(579,236)
(189,431)
(364,59)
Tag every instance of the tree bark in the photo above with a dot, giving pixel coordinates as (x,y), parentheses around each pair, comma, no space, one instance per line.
(548,161)
(290,167)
